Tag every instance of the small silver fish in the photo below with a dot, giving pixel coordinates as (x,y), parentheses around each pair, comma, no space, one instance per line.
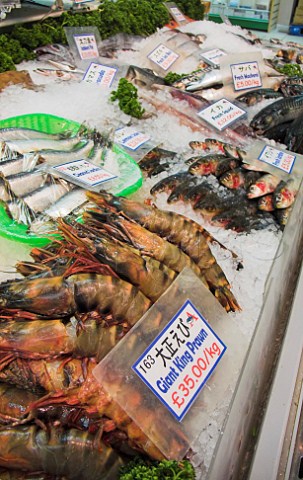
(37,144)
(53,157)
(25,182)
(18,133)
(20,164)
(42,198)
(208,80)
(66,204)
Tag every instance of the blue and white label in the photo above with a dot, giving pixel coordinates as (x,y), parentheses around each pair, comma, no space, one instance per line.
(213,56)
(130,138)
(221,114)
(87,46)
(246,75)
(177,15)
(180,360)
(101,74)
(163,56)
(277,158)
(85,172)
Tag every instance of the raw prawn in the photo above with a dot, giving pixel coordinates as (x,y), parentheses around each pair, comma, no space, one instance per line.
(185,233)
(58,296)
(58,451)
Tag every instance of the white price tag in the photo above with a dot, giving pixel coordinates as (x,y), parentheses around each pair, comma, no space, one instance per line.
(180,360)
(213,56)
(177,15)
(85,172)
(129,137)
(246,75)
(97,73)
(163,56)
(221,114)
(282,160)
(87,46)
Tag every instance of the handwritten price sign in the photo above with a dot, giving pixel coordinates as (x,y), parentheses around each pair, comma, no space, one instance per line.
(101,74)
(163,56)
(129,137)
(86,172)
(180,360)
(282,160)
(221,114)
(246,75)
(86,46)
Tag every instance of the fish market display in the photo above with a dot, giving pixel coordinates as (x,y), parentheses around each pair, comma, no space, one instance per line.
(234,204)
(76,300)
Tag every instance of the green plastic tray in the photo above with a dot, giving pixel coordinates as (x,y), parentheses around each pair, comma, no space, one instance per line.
(131,176)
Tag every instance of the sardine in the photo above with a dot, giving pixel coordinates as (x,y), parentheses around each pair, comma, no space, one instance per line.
(20,164)
(18,133)
(42,198)
(53,157)
(19,211)
(285,194)
(281,111)
(67,203)
(35,145)
(265,184)
(24,182)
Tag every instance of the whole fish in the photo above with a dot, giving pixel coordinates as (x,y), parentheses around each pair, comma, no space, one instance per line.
(282,215)
(19,133)
(254,96)
(233,179)
(281,111)
(53,157)
(37,144)
(294,135)
(23,183)
(20,164)
(210,205)
(197,192)
(42,198)
(266,203)
(292,90)
(19,211)
(208,80)
(279,132)
(213,164)
(179,192)
(168,183)
(265,184)
(284,195)
(61,74)
(143,77)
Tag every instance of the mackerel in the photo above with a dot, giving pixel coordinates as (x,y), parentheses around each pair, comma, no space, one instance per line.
(281,111)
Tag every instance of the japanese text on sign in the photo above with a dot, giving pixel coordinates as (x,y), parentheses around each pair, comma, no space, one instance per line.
(180,360)
(246,75)
(101,74)
(177,15)
(87,46)
(213,56)
(130,138)
(221,114)
(85,172)
(163,56)
(282,160)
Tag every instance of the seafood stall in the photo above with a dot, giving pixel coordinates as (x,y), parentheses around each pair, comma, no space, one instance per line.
(151,241)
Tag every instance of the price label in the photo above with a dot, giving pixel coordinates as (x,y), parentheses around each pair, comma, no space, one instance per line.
(213,56)
(85,171)
(180,360)
(246,75)
(129,137)
(221,114)
(177,15)
(163,56)
(282,160)
(101,74)
(87,46)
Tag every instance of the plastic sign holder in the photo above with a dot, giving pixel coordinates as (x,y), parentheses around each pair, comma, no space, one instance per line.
(187,306)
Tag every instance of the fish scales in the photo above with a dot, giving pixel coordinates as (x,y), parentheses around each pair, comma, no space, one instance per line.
(281,111)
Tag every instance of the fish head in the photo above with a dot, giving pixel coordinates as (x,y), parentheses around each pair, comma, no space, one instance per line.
(253,191)
(262,122)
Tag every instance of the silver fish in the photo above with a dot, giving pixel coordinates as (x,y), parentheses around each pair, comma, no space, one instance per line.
(20,164)
(66,204)
(19,133)
(35,145)
(25,182)
(42,198)
(53,157)
(208,80)
(19,211)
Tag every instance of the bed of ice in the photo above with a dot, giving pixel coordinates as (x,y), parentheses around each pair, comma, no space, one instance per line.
(89,103)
